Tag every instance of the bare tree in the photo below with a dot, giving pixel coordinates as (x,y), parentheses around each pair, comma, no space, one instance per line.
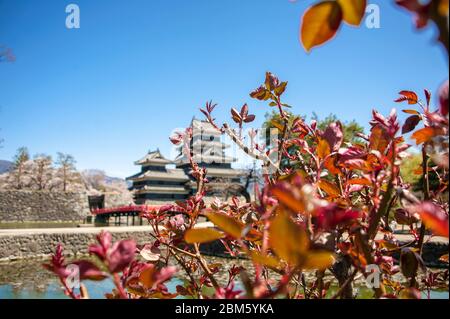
(6,54)
(66,171)
(20,160)
(94,179)
(42,171)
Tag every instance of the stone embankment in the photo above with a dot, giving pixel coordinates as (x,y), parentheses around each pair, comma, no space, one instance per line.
(30,206)
(21,244)
(42,206)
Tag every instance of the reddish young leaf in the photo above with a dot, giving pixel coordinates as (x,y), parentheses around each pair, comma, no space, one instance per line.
(244,111)
(89,271)
(334,136)
(150,253)
(330,188)
(261,94)
(320,24)
(443,98)
(421,11)
(359,181)
(236,116)
(323,148)
(403,217)
(410,124)
(288,197)
(379,139)
(280,88)
(434,218)
(121,255)
(331,216)
(426,134)
(330,165)
(151,277)
(353,11)
(414,112)
(271,81)
(427,96)
(408,96)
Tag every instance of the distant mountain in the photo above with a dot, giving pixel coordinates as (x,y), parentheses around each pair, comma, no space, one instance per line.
(106,179)
(5,166)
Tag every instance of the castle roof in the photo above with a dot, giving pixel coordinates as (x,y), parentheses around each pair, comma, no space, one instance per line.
(175,175)
(162,189)
(155,158)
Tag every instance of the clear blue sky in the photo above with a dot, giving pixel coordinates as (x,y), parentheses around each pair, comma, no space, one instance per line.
(137,69)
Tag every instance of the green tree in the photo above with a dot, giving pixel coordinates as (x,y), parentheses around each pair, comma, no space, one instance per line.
(409,169)
(351,129)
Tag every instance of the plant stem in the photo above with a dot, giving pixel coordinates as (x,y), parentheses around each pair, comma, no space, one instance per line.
(426,195)
(205,267)
(122,293)
(344,286)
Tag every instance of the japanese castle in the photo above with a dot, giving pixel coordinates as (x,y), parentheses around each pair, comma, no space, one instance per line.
(156,183)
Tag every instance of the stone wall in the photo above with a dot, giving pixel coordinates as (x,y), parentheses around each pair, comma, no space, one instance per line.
(45,206)
(41,244)
(31,244)
(42,206)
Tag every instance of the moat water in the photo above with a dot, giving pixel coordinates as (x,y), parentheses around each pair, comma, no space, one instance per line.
(29,280)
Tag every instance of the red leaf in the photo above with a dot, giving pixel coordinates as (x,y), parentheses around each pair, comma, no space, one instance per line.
(411,112)
(434,218)
(443,99)
(89,271)
(236,116)
(409,96)
(329,217)
(410,124)
(379,139)
(427,96)
(421,12)
(323,148)
(334,136)
(244,111)
(121,255)
(351,153)
(426,134)
(249,118)
(288,196)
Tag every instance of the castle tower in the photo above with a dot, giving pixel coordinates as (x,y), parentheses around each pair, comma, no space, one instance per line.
(208,151)
(156,184)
